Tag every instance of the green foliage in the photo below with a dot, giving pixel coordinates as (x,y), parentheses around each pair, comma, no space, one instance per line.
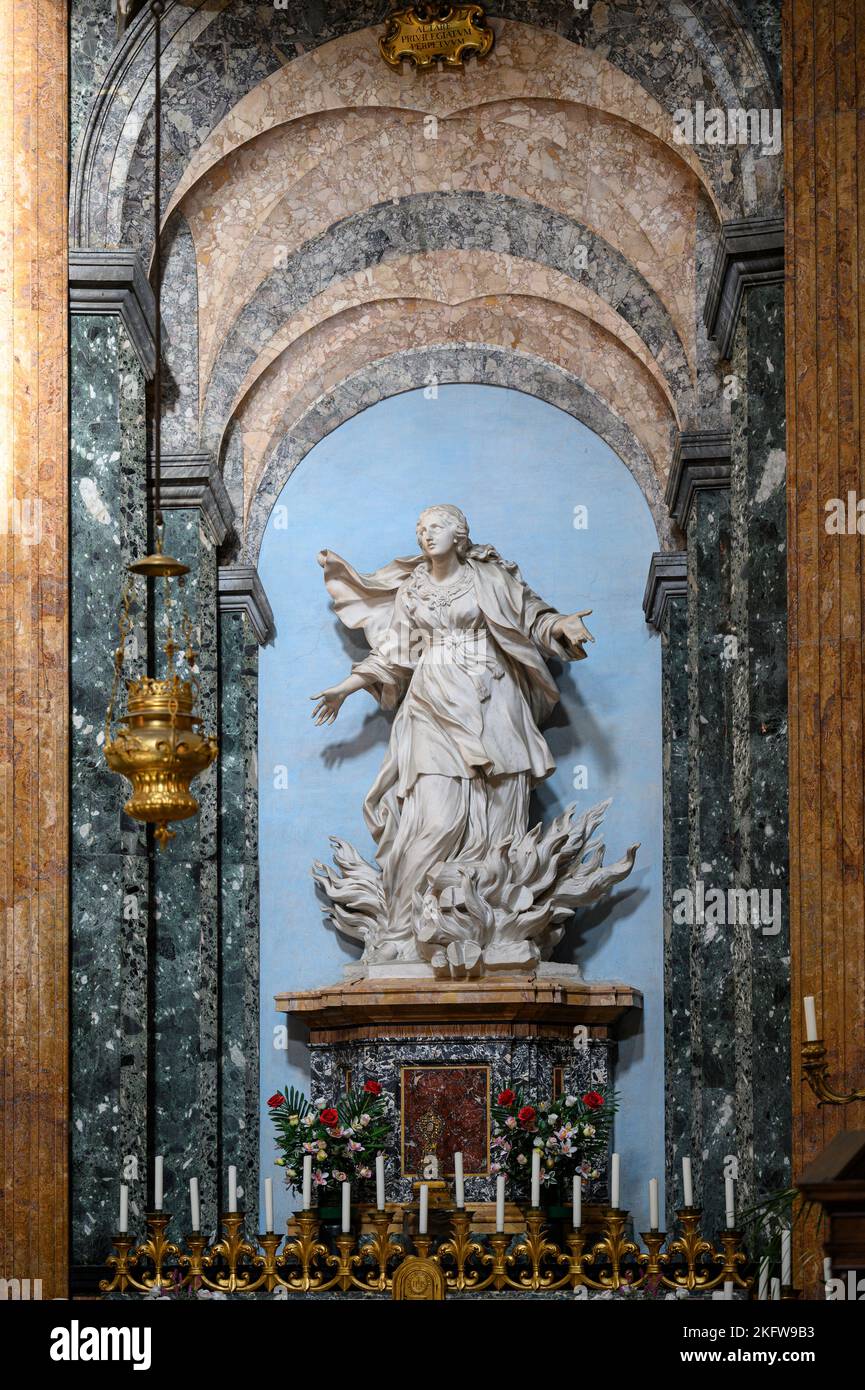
(343,1139)
(572,1132)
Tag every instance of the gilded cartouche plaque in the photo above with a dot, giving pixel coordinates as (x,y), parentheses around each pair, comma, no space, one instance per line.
(428,34)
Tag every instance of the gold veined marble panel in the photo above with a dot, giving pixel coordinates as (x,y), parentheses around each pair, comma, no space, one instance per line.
(33,641)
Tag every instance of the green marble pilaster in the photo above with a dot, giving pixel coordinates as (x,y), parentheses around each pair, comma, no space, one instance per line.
(700,499)
(110,878)
(239,1101)
(666,608)
(759,606)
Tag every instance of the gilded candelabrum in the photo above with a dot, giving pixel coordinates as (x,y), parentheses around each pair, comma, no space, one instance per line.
(816,1069)
(529,1262)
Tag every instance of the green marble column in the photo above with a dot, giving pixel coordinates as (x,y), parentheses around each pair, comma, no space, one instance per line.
(245,621)
(759,611)
(699,497)
(186,1050)
(110,877)
(666,607)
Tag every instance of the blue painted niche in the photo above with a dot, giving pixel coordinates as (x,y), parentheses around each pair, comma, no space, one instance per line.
(520,469)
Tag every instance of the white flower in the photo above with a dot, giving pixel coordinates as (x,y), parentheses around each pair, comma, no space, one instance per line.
(553,1118)
(364,1119)
(521,1158)
(511,1122)
(588,1131)
(570,1100)
(309,1120)
(538,1143)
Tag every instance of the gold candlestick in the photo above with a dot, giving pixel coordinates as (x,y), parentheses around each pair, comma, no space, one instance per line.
(730,1257)
(537,1248)
(692,1245)
(381,1250)
(422,1245)
(498,1259)
(266,1262)
(460,1248)
(122,1278)
(156,1250)
(613,1247)
(344,1260)
(306,1248)
(653,1259)
(197,1260)
(232,1248)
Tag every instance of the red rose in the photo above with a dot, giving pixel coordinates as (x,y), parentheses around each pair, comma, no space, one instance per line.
(507,1098)
(329,1118)
(526,1115)
(276,1100)
(593,1100)
(372,1088)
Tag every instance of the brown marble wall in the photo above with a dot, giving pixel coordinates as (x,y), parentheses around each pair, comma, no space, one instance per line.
(824,138)
(34,826)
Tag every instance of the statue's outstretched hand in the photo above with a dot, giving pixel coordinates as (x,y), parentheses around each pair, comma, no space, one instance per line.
(329,702)
(573,629)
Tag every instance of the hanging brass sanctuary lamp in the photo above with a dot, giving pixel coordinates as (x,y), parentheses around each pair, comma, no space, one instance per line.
(158,746)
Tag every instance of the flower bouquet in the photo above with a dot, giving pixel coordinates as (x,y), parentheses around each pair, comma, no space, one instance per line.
(572,1133)
(343,1139)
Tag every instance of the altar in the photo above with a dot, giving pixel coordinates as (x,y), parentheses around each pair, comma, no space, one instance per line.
(444,1050)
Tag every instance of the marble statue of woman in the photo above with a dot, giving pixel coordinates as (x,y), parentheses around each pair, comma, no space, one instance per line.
(458,647)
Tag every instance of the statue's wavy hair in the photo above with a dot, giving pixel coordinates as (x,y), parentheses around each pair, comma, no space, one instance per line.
(465,546)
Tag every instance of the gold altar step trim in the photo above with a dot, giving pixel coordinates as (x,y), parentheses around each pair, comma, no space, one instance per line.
(511,1000)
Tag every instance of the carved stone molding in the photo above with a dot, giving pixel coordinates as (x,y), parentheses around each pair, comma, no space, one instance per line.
(194,480)
(667,579)
(701,460)
(241,591)
(750,252)
(114,282)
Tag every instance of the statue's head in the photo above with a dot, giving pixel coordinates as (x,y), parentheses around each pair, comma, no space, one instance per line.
(443,528)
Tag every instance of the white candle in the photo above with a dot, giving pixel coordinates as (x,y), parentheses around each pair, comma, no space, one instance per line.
(123,1225)
(346,1208)
(577,1204)
(459,1183)
(500,1202)
(728,1290)
(730,1203)
(763,1286)
(776,1290)
(536,1177)
(232,1188)
(811,1033)
(654,1209)
(786,1259)
(194,1204)
(157,1183)
(615,1173)
(423,1214)
(307,1181)
(687,1182)
(268,1205)
(379,1182)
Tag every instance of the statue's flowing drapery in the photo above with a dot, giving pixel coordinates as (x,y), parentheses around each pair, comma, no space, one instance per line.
(463,664)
